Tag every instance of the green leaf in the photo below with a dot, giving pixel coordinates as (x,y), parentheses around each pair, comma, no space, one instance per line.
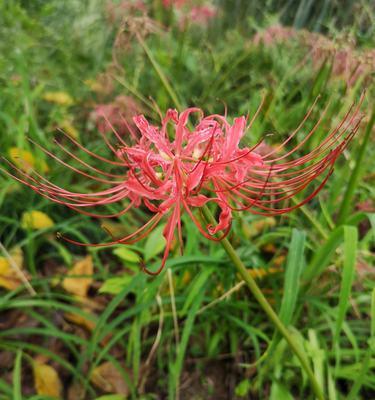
(17,391)
(372,334)
(126,254)
(294,267)
(317,355)
(243,388)
(176,366)
(279,392)
(115,285)
(195,288)
(350,253)
(155,243)
(323,256)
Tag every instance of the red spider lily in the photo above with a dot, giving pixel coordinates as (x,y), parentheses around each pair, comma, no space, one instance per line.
(173,169)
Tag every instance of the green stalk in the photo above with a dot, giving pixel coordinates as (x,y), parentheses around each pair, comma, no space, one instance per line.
(257,293)
(347,201)
(163,78)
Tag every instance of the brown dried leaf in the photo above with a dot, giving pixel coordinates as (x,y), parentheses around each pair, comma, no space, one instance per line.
(108,378)
(76,391)
(46,380)
(79,277)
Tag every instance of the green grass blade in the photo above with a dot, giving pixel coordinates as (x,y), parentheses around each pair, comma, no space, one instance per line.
(195,288)
(323,255)
(372,335)
(358,382)
(350,253)
(347,201)
(293,271)
(176,366)
(17,391)
(173,95)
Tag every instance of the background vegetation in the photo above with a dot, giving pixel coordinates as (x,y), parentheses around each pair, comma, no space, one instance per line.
(84,323)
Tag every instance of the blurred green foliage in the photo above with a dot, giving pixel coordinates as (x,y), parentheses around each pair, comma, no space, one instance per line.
(172,335)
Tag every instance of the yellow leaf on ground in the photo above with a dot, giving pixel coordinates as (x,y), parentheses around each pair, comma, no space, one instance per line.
(258,226)
(9,278)
(46,380)
(107,377)
(36,220)
(61,98)
(94,85)
(80,320)
(186,277)
(79,277)
(68,127)
(26,161)
(115,228)
(262,272)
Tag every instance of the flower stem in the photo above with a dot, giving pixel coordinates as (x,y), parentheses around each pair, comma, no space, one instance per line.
(257,293)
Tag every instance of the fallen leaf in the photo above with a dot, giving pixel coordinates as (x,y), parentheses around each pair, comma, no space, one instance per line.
(258,226)
(46,380)
(80,320)
(79,278)
(269,248)
(61,98)
(279,260)
(68,127)
(36,220)
(76,391)
(186,277)
(262,272)
(107,378)
(94,85)
(115,228)
(26,161)
(9,278)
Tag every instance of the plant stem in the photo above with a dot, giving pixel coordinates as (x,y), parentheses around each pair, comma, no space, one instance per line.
(257,293)
(162,76)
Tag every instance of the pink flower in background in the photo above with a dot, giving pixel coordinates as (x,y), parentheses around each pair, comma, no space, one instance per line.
(348,63)
(201,15)
(118,115)
(177,168)
(117,11)
(188,12)
(174,3)
(274,34)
